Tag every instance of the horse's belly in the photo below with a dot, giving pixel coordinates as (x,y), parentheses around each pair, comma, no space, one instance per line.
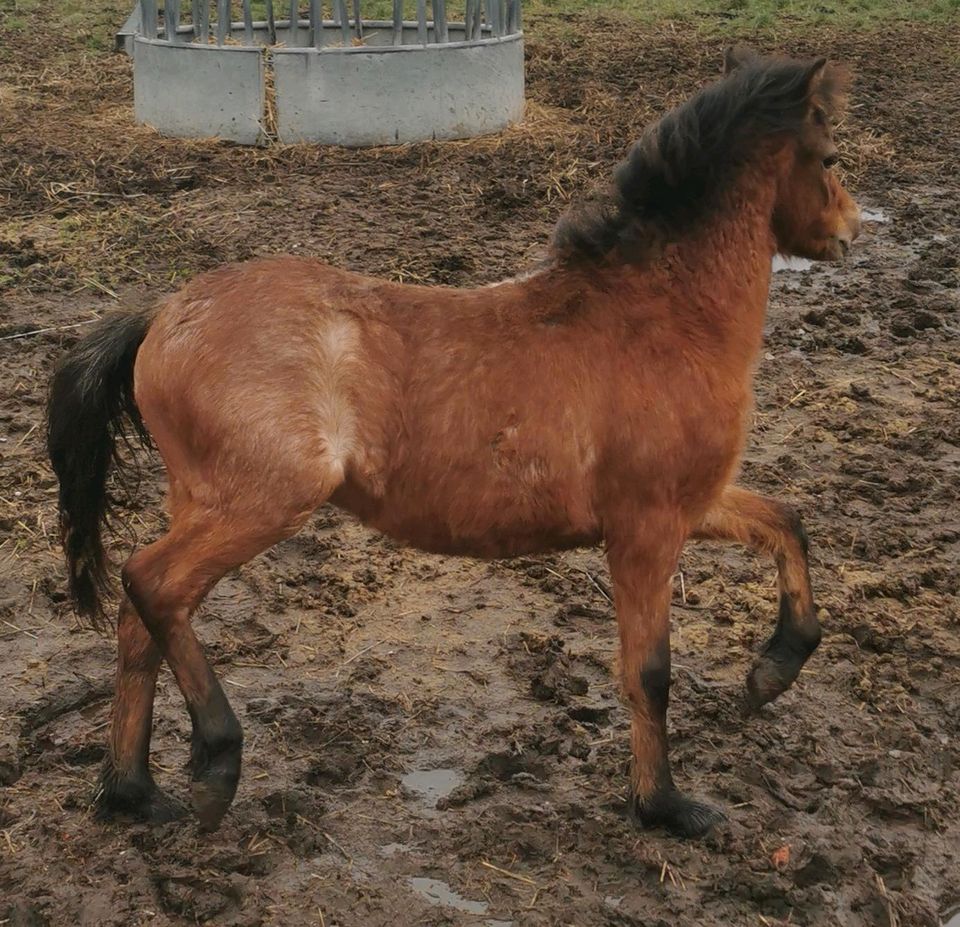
(483,518)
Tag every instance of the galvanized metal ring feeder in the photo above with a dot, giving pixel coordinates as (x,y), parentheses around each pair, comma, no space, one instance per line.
(341,80)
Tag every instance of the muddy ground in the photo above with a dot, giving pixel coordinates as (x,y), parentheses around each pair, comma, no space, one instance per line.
(438,741)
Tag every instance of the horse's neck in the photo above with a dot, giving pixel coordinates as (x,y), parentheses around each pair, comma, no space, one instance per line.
(719,277)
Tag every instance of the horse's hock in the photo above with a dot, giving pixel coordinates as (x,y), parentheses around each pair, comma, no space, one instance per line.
(340,80)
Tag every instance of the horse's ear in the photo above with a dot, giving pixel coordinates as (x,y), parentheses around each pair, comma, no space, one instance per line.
(827,85)
(815,73)
(737,55)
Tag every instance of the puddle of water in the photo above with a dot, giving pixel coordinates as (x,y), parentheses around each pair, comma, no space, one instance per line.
(950,917)
(874,215)
(437,892)
(432,784)
(781,262)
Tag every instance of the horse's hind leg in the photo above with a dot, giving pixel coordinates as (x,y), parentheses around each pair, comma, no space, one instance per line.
(126,785)
(774,528)
(166,581)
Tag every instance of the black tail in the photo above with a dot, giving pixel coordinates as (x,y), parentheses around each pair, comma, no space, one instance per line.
(91,397)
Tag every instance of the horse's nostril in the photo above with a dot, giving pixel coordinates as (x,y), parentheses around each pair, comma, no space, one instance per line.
(844,245)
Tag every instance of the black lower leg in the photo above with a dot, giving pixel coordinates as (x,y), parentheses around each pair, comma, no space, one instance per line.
(217,748)
(656,800)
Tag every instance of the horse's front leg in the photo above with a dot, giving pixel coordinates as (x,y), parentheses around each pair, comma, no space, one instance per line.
(641,565)
(774,528)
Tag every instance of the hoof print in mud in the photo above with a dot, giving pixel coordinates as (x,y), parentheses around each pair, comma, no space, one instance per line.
(674,812)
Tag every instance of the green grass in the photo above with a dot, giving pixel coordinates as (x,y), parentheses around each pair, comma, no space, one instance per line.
(736,13)
(754,13)
(93,21)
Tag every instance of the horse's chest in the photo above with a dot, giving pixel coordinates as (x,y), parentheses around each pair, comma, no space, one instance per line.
(686,452)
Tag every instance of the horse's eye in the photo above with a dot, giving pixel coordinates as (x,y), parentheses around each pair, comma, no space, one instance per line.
(830,160)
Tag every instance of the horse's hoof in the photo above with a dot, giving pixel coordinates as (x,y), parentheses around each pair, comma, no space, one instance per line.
(769,678)
(133,797)
(162,808)
(780,662)
(678,814)
(211,800)
(213,790)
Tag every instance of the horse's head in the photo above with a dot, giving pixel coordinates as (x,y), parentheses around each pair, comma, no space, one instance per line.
(814,216)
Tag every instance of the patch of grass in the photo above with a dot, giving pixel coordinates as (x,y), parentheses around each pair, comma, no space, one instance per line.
(95,20)
(90,25)
(739,14)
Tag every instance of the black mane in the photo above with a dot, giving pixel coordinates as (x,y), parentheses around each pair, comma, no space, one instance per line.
(676,173)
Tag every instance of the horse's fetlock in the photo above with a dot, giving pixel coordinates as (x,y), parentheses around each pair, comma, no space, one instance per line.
(224,737)
(811,636)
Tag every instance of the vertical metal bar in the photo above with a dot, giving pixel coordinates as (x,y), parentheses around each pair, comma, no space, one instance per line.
(422,21)
(195,16)
(271,24)
(341,13)
(501,17)
(398,22)
(473,10)
(511,16)
(247,23)
(477,30)
(440,32)
(357,20)
(171,20)
(223,20)
(204,21)
(148,18)
(292,39)
(316,23)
